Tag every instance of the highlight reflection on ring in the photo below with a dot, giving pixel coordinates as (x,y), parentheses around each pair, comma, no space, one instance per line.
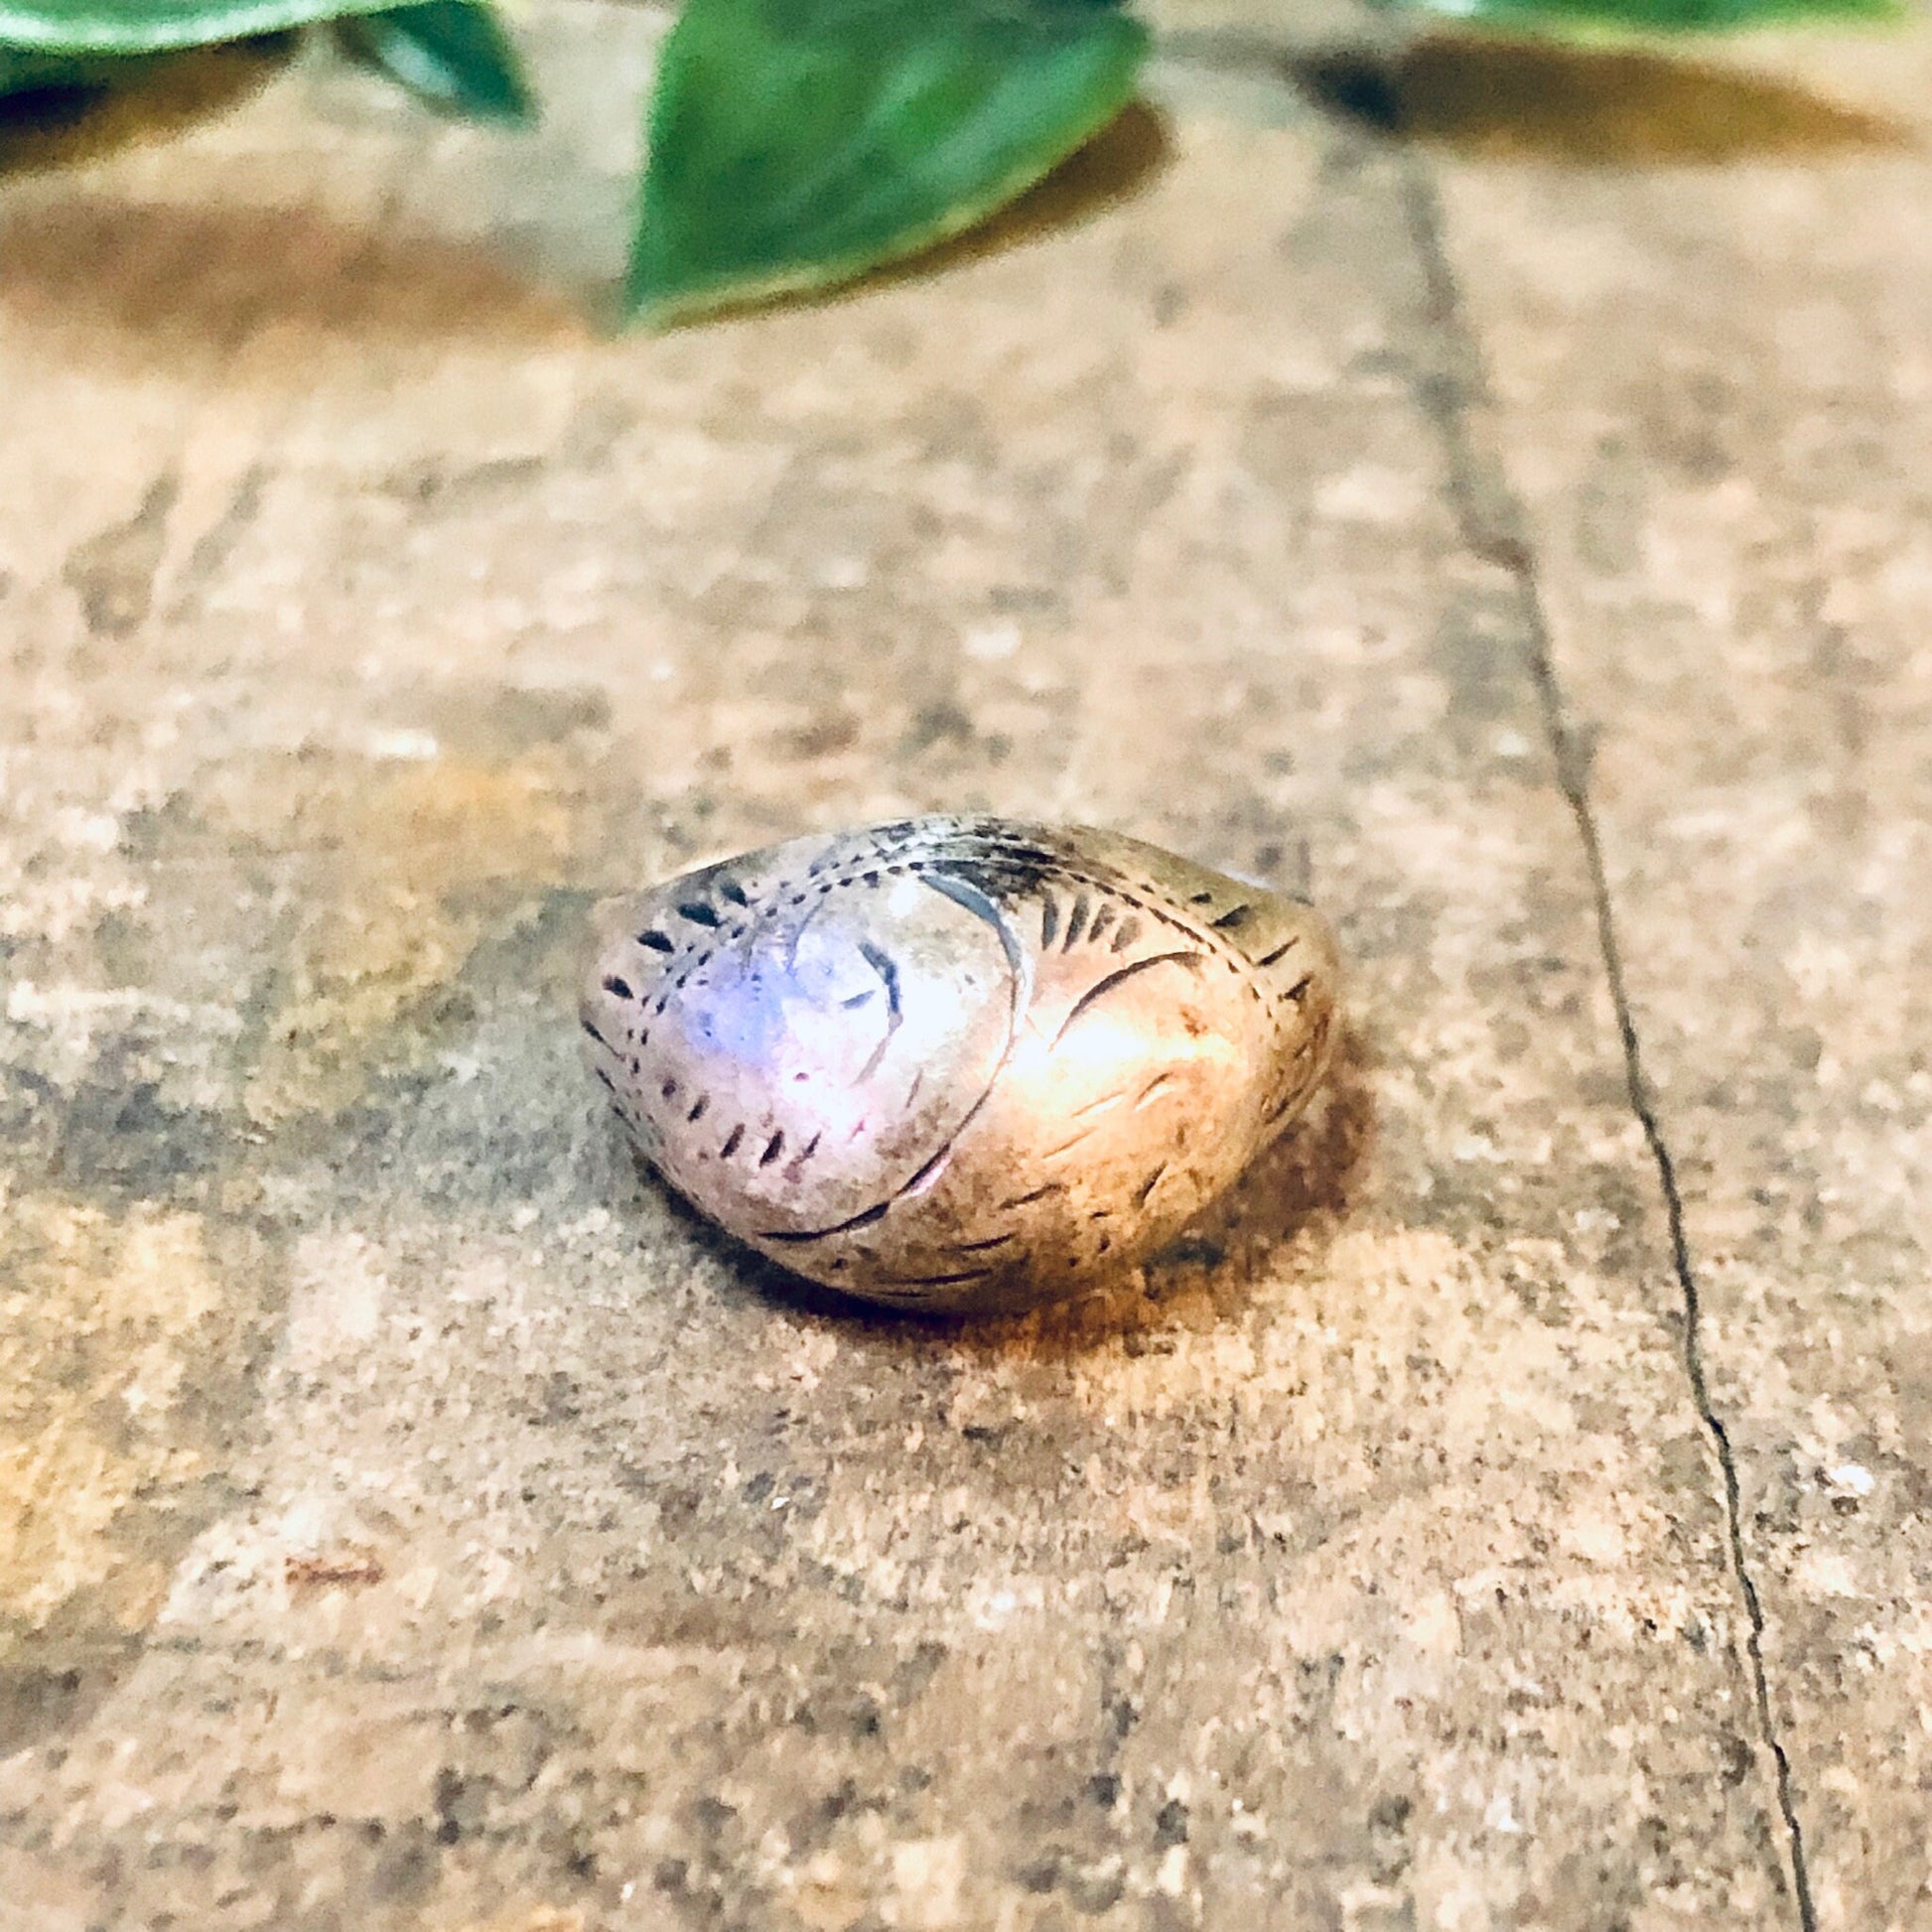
(958,1063)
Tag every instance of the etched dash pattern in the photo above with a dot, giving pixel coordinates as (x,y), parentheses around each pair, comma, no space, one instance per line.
(958,1063)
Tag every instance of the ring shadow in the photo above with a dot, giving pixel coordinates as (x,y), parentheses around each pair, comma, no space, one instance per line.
(1510,99)
(1314,1172)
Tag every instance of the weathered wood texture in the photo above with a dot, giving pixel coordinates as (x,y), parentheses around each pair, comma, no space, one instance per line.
(408,1519)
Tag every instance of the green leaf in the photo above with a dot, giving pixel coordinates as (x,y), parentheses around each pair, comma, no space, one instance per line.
(797,143)
(25,72)
(154,26)
(452,55)
(1596,19)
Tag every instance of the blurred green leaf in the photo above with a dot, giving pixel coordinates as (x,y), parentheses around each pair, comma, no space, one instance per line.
(453,55)
(153,26)
(797,143)
(1622,18)
(23,70)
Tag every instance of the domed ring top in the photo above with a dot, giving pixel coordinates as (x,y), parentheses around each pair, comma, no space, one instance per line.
(958,1063)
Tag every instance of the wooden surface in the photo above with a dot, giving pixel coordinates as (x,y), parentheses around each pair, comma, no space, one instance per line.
(1499,477)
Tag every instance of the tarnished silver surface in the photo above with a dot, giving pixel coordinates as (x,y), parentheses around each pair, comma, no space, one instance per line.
(958,1063)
